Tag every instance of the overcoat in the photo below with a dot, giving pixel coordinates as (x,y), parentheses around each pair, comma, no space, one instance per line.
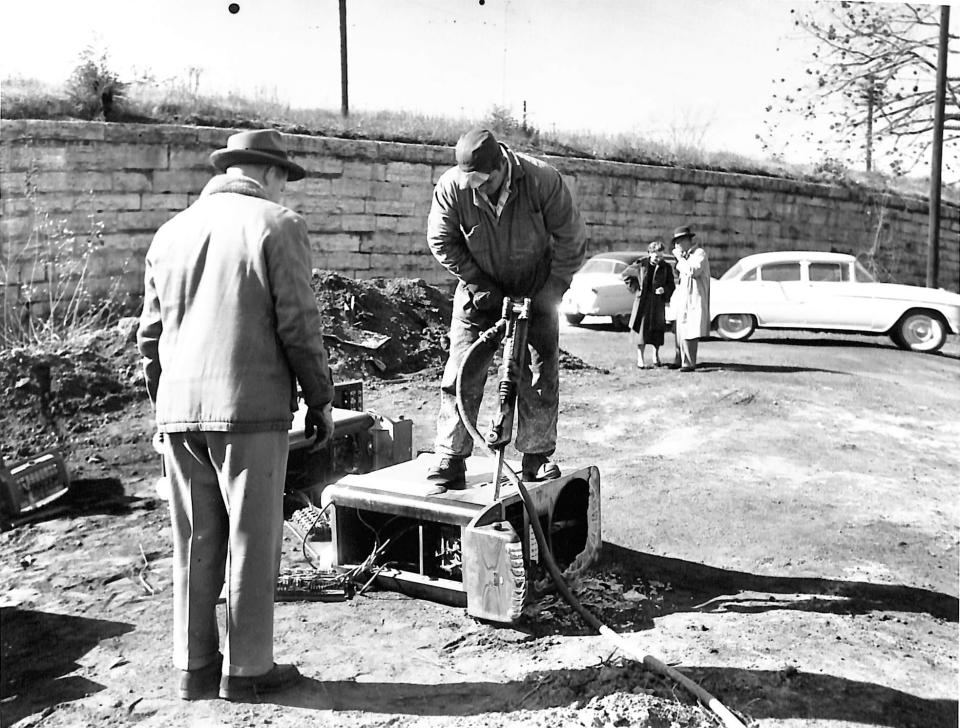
(647,318)
(229,322)
(691,301)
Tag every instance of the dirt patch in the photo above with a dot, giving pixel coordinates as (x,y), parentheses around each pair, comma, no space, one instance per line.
(51,395)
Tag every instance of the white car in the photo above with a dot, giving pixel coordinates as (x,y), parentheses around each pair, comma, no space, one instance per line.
(598,290)
(828,292)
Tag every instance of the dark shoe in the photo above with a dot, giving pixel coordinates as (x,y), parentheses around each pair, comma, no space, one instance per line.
(537,466)
(687,369)
(236,687)
(449,472)
(202,682)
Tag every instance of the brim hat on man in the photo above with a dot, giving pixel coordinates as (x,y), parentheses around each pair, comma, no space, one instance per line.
(262,146)
(683,231)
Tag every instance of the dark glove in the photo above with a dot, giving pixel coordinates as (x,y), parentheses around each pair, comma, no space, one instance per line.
(485,296)
(554,289)
(319,422)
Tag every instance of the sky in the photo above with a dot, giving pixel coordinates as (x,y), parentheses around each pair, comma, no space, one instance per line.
(689,71)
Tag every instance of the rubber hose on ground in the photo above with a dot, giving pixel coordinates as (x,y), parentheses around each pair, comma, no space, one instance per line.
(649,661)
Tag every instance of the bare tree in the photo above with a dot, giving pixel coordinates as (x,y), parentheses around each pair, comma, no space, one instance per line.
(872,78)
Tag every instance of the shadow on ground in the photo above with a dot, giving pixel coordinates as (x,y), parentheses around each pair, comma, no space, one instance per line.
(39,651)
(781,694)
(701,588)
(712,366)
(879,342)
(87,497)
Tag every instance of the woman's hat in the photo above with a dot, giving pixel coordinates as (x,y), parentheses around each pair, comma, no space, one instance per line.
(683,231)
(263,146)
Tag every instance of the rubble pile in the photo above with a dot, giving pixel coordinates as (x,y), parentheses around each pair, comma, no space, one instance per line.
(604,595)
(382,326)
(379,327)
(50,394)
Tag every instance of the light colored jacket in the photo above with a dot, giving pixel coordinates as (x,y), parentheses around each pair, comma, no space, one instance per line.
(539,233)
(229,319)
(691,301)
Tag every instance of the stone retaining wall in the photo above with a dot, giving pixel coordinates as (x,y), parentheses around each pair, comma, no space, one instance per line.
(366,204)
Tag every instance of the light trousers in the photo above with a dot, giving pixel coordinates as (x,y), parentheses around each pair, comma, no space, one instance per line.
(226,508)
(688,352)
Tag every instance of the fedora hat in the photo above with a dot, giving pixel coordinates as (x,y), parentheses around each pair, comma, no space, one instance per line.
(262,146)
(683,231)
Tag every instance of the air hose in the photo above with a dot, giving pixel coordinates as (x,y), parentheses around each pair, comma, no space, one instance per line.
(729,720)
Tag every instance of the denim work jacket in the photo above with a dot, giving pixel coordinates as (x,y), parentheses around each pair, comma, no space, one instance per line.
(539,233)
(229,321)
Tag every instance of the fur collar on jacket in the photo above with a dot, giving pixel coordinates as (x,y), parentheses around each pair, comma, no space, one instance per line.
(239,184)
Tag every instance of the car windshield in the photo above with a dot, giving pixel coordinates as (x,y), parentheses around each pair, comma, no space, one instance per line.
(861,274)
(733,273)
(603,265)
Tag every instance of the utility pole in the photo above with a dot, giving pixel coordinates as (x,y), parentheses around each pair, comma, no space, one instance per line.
(871,97)
(933,236)
(344,103)
(503,80)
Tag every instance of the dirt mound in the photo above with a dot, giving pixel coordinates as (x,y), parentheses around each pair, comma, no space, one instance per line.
(382,326)
(49,394)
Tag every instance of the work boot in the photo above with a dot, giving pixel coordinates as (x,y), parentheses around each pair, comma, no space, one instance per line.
(449,472)
(538,466)
(243,687)
(202,682)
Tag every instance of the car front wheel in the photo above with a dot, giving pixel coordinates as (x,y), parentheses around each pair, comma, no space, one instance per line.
(736,326)
(574,319)
(919,331)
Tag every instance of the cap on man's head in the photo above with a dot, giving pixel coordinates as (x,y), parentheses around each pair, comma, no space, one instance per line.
(681,232)
(262,146)
(478,151)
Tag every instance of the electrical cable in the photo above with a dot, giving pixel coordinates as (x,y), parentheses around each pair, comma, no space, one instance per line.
(649,661)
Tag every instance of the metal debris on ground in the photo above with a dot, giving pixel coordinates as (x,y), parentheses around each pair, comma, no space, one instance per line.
(605,596)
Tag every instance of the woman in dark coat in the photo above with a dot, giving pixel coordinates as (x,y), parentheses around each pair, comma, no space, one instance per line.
(651,280)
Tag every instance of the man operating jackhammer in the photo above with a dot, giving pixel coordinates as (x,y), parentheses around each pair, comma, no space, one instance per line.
(505,224)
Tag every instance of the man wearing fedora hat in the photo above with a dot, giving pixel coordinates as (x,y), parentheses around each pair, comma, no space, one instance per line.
(229,327)
(691,302)
(504,224)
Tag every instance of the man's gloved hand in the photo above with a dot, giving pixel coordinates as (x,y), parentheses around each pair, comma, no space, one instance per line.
(319,421)
(485,296)
(554,289)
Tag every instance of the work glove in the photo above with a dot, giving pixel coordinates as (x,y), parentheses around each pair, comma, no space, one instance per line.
(319,422)
(485,296)
(554,289)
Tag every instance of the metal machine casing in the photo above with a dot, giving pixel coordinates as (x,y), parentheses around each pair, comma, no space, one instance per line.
(461,547)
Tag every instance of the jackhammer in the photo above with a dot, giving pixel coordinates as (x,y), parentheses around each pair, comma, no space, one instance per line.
(512,329)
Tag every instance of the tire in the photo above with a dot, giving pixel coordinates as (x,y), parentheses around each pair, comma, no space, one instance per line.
(736,326)
(574,319)
(621,321)
(919,331)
